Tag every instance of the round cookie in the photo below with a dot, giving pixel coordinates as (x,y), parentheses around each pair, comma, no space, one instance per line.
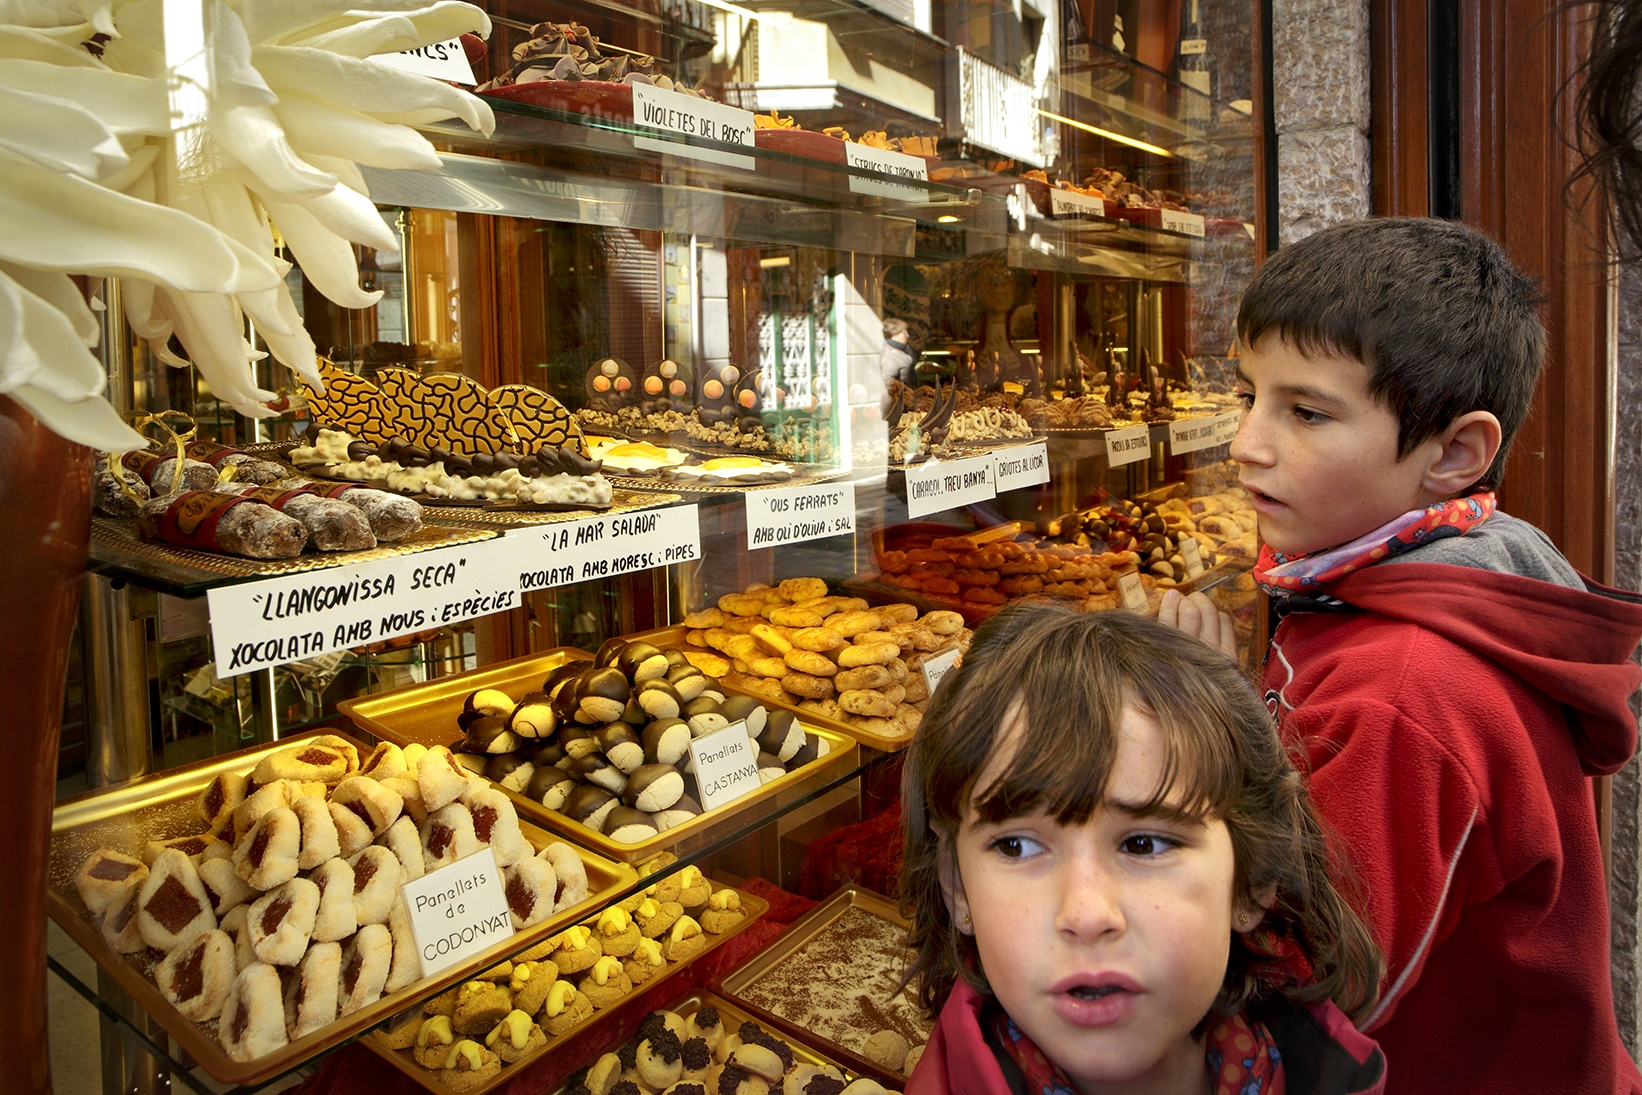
(530,982)
(606,983)
(565,1008)
(887,1049)
(645,962)
(515,1037)
(433,1041)
(578,949)
(469,1066)
(723,912)
(618,935)
(655,917)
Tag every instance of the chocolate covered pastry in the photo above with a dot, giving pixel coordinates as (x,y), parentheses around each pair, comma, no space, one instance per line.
(392,517)
(332,525)
(222,523)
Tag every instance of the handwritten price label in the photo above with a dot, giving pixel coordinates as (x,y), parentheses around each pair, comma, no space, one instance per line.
(688,116)
(1133,593)
(546,556)
(458,911)
(1128,445)
(793,514)
(939,485)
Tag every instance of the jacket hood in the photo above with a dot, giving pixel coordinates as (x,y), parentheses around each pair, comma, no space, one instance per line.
(1571,642)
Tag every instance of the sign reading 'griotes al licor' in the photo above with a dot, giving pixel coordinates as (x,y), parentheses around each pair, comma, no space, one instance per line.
(259,624)
(699,119)
(545,556)
(458,911)
(1021,466)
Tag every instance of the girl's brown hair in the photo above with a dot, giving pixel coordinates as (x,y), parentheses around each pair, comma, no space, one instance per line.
(1070,676)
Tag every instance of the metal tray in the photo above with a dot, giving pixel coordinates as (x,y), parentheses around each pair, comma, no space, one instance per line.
(622,500)
(672,638)
(795,938)
(162,806)
(426,713)
(401,1059)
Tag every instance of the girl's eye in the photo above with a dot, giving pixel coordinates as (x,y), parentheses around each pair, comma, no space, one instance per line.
(1016,847)
(1148,844)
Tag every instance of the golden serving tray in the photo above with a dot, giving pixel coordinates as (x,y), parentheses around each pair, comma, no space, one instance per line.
(426,714)
(672,638)
(162,806)
(401,1059)
(807,927)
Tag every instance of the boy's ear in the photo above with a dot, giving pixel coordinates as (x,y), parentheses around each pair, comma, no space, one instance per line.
(952,883)
(1466,451)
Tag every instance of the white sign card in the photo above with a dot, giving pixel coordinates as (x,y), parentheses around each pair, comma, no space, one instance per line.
(1192,434)
(1021,466)
(1133,593)
(1071,203)
(1127,445)
(938,485)
(935,667)
(788,515)
(1225,426)
(458,911)
(725,763)
(441,60)
(699,119)
(1193,556)
(255,625)
(546,556)
(1188,224)
(886,162)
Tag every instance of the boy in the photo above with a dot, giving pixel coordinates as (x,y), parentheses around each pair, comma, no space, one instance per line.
(1451,679)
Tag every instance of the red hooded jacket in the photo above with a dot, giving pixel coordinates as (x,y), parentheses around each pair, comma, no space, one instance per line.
(1322,1053)
(1451,716)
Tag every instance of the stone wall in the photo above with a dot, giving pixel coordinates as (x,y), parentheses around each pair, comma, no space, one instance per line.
(1320,81)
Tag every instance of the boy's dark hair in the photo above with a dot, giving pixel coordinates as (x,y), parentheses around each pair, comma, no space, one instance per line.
(1444,322)
(1070,676)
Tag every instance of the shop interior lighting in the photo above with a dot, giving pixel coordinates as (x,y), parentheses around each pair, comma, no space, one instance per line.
(1109,135)
(948,219)
(779,260)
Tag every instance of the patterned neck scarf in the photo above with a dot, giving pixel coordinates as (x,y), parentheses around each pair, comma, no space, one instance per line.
(1285,575)
(1241,1058)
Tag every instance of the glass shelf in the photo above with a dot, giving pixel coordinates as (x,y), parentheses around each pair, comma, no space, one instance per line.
(871,764)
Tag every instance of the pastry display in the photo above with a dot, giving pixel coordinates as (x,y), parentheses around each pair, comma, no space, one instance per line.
(837,657)
(1222,523)
(606,743)
(636,459)
(216,931)
(222,523)
(548,477)
(523,1008)
(569,52)
(844,985)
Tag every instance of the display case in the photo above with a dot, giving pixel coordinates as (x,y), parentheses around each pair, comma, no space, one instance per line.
(759,354)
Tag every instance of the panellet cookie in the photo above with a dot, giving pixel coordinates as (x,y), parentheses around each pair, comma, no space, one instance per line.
(530,982)
(172,905)
(195,977)
(320,840)
(530,886)
(119,927)
(578,948)
(376,804)
(235,925)
(440,778)
(618,935)
(704,1023)
(410,793)
(728,1079)
(404,840)
(660,1059)
(223,885)
(305,762)
(565,1008)
(684,940)
(365,963)
(108,878)
(311,993)
(516,1036)
(377,877)
(335,920)
(220,799)
(352,832)
(480,1005)
(603,1074)
(694,889)
(407,964)
(191,846)
(257,803)
(497,824)
(571,873)
(386,761)
(645,962)
(887,1049)
(433,1039)
(447,835)
(606,983)
(400,1033)
(281,922)
(654,917)
(266,856)
(469,1066)
(252,1023)
(697,1059)
(723,912)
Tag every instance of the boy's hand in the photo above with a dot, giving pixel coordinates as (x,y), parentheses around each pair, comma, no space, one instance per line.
(1197,616)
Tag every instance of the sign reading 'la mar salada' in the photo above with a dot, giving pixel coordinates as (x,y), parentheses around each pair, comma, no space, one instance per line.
(546,556)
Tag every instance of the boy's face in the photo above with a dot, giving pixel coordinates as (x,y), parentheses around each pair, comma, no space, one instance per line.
(1105,942)
(1318,453)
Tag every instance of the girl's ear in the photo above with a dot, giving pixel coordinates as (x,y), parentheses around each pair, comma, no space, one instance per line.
(1247,915)
(952,883)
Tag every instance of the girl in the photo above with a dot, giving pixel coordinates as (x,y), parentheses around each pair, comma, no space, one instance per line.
(1117,880)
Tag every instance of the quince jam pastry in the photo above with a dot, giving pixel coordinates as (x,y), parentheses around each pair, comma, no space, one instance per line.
(283,911)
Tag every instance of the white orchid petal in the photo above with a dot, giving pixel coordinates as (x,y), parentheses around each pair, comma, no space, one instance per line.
(58,134)
(59,291)
(433,22)
(131,57)
(383,34)
(235,82)
(90,422)
(315,127)
(34,45)
(296,350)
(326,259)
(371,87)
(123,102)
(253,136)
(161,348)
(63,223)
(51,355)
(137,296)
(346,170)
(267,20)
(141,163)
(209,325)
